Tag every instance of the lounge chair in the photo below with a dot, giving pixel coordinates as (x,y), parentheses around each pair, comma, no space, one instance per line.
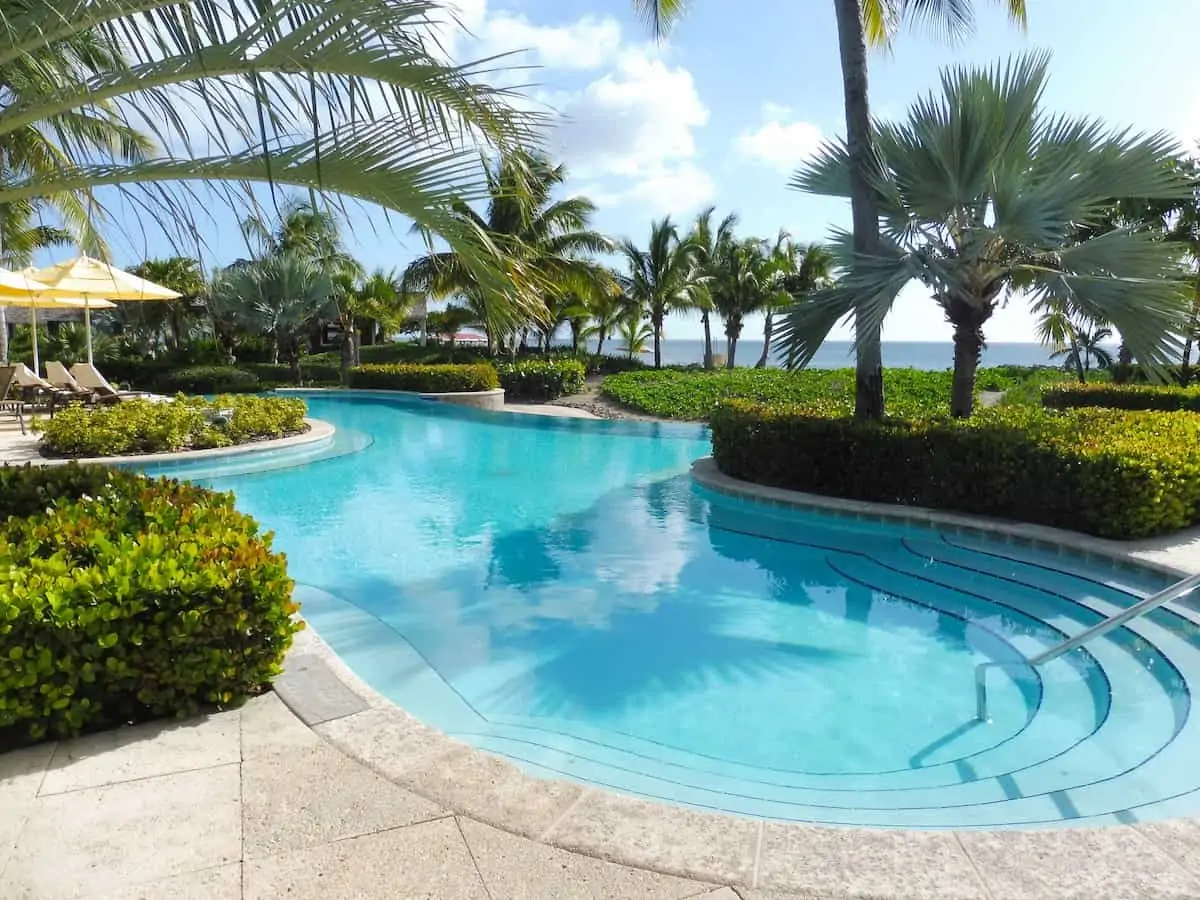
(63,380)
(88,376)
(10,399)
(34,388)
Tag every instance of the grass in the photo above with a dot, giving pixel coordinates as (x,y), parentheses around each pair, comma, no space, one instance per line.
(692,394)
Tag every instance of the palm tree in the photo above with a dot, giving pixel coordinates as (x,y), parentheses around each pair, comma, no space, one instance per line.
(171,319)
(796,271)
(705,241)
(20,238)
(1082,345)
(661,278)
(634,333)
(859,23)
(740,287)
(980,193)
(279,295)
(380,298)
(349,98)
(541,242)
(607,310)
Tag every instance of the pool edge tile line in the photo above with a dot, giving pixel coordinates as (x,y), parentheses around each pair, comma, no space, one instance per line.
(704,472)
(718,848)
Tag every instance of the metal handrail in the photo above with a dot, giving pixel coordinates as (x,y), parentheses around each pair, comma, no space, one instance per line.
(1179,589)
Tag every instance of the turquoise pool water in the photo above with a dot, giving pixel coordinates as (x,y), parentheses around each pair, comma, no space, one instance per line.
(559,592)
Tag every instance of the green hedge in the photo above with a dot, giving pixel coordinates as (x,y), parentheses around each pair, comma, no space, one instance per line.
(1110,473)
(320,373)
(207,380)
(124,598)
(541,379)
(437,379)
(1122,396)
(186,423)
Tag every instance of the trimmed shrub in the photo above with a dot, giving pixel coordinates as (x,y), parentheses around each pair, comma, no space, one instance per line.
(124,598)
(1122,396)
(281,373)
(139,426)
(438,379)
(1114,474)
(541,379)
(207,380)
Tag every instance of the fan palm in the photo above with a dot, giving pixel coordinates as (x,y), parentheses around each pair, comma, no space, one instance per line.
(606,311)
(859,23)
(796,272)
(541,242)
(634,334)
(279,295)
(662,278)
(705,241)
(346,97)
(980,191)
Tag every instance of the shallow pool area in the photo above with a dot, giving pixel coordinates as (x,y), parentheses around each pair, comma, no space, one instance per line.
(561,593)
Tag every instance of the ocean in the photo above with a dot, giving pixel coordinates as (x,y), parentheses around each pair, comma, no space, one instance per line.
(840,355)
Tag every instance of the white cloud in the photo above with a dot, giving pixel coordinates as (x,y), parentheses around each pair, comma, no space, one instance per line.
(586,43)
(629,132)
(636,123)
(780,141)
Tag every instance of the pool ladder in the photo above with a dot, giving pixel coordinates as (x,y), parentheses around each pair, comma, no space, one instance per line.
(1174,592)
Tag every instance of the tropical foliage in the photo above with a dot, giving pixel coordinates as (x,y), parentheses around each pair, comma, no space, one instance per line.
(123,599)
(859,23)
(543,244)
(662,279)
(1110,473)
(980,190)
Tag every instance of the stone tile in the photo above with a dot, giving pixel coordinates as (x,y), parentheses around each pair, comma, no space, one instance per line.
(314,692)
(1083,863)
(298,798)
(269,727)
(388,739)
(126,834)
(492,790)
(721,893)
(422,862)
(21,773)
(863,862)
(674,839)
(1178,838)
(144,751)
(514,868)
(220,883)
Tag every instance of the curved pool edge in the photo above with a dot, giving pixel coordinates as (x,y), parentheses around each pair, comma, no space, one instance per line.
(721,848)
(491,400)
(1123,555)
(319,431)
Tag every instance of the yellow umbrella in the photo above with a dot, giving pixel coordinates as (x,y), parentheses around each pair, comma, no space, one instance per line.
(90,278)
(45,298)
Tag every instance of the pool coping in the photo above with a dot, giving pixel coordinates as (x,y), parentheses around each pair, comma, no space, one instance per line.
(318,430)
(704,472)
(722,848)
(490,400)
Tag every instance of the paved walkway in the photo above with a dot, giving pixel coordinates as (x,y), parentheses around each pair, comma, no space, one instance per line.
(253,804)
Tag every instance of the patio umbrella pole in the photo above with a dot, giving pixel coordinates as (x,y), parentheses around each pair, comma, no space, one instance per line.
(87,326)
(33,327)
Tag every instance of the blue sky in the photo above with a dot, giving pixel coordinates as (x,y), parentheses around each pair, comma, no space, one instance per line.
(725,110)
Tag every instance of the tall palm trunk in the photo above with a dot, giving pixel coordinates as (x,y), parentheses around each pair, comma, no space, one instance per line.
(708,354)
(967,319)
(767,326)
(3,336)
(1185,370)
(656,321)
(600,342)
(868,387)
(349,351)
(733,330)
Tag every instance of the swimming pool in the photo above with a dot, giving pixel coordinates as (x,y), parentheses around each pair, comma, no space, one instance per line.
(561,593)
